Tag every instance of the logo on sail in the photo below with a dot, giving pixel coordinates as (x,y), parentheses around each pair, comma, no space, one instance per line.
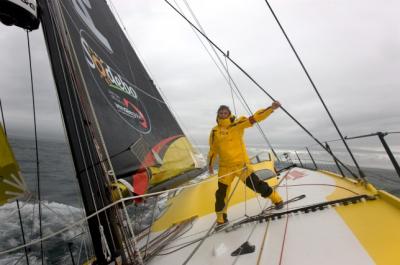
(117,90)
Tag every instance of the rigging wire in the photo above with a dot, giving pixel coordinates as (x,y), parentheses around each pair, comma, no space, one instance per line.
(36,147)
(230,84)
(254,191)
(286,226)
(208,52)
(23,233)
(209,232)
(256,83)
(359,136)
(226,77)
(262,211)
(315,89)
(229,79)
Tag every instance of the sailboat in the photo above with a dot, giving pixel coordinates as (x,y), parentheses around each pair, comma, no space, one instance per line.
(127,147)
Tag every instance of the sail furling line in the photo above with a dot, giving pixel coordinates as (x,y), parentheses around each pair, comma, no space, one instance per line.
(362,175)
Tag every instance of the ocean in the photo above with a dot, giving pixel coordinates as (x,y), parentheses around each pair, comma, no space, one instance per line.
(61,204)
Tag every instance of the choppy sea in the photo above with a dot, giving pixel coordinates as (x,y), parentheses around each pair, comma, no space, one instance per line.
(61,205)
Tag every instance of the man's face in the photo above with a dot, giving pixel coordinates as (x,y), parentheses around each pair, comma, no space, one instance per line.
(223,114)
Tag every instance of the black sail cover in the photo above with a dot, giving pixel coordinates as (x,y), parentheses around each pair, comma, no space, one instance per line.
(142,138)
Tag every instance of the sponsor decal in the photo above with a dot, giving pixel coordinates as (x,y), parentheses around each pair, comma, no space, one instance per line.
(117,90)
(296,174)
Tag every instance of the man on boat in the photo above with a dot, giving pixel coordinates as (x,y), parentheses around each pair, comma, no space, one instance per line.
(226,141)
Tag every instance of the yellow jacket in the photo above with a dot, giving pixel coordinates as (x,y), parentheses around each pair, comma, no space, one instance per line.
(226,139)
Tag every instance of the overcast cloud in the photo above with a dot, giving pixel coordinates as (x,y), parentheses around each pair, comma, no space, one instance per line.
(350,47)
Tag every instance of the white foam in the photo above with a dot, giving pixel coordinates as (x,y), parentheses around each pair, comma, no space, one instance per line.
(54,217)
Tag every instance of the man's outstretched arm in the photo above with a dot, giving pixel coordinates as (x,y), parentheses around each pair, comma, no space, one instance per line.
(260,115)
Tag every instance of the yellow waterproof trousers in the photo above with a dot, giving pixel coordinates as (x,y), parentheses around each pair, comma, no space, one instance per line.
(245,174)
(227,174)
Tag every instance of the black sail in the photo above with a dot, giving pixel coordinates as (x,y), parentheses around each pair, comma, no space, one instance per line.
(112,111)
(135,123)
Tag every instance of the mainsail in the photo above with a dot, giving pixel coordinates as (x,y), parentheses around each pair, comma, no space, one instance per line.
(121,132)
(117,124)
(12,184)
(140,135)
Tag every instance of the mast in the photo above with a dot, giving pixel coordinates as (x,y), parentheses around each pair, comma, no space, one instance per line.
(120,130)
(82,134)
(116,121)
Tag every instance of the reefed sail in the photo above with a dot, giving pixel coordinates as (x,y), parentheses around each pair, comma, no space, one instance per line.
(12,184)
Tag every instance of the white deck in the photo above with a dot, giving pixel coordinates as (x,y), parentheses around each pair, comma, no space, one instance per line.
(320,237)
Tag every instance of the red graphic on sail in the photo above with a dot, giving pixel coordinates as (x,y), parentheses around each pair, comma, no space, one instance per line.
(142,119)
(141,179)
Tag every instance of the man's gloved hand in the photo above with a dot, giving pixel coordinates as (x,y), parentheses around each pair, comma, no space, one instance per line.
(275,105)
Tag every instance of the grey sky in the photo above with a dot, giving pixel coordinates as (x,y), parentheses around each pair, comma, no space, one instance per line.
(351,49)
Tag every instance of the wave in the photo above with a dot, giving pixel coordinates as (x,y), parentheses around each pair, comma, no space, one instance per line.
(55,216)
